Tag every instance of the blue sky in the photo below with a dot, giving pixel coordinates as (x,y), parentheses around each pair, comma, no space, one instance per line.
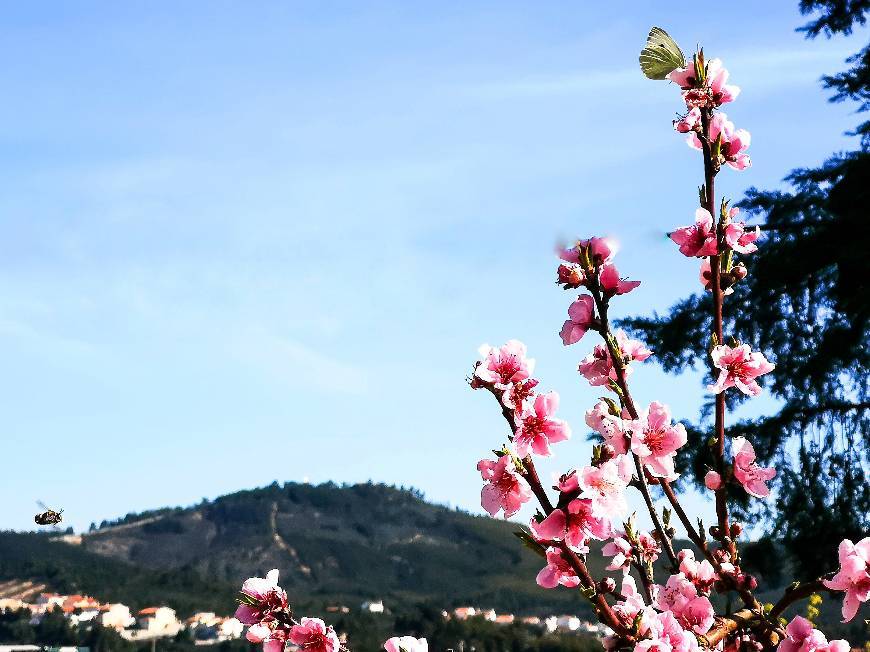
(242,242)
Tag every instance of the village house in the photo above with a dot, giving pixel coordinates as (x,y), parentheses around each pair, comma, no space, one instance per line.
(463,613)
(13,604)
(206,626)
(48,601)
(116,616)
(373,607)
(157,621)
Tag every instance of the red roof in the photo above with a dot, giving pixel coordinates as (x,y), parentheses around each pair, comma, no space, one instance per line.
(148,611)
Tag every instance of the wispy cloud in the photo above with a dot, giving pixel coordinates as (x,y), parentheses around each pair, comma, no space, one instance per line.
(301,364)
(772,68)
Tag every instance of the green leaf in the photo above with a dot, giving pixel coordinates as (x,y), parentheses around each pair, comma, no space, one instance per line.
(530,543)
(661,55)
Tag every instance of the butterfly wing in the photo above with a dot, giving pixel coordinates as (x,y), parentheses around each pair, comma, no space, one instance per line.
(661,55)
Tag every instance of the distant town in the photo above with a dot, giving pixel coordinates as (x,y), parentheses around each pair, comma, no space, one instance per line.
(208,628)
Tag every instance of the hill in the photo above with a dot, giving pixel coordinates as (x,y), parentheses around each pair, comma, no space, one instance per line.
(331,543)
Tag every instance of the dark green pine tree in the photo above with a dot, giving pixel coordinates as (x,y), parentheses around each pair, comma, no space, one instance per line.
(805,304)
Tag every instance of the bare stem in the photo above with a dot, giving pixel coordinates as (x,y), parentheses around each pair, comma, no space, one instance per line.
(716,289)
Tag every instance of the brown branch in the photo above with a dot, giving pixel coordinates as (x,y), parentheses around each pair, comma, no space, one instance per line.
(530,473)
(799,592)
(710,169)
(628,401)
(725,625)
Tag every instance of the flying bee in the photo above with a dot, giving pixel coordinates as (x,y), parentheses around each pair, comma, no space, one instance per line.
(48,517)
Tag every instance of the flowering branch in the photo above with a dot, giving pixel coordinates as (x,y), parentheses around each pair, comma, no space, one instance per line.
(640,445)
(526,470)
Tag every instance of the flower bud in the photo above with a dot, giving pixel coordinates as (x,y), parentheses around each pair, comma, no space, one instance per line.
(602,454)
(715,532)
(748,582)
(736,529)
(607,585)
(739,272)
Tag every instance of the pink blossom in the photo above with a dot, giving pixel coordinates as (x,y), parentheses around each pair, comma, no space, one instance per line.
(739,367)
(505,490)
(557,571)
(504,365)
(732,142)
(800,636)
(717,75)
(272,638)
(700,573)
(568,483)
(605,485)
(676,594)
(669,630)
(747,472)
(517,394)
(697,615)
(712,480)
(570,277)
(647,547)
(623,552)
(653,645)
(312,635)
(612,284)
(633,602)
(689,122)
(267,596)
(620,549)
(853,576)
(741,240)
(537,428)
(573,526)
(581,317)
(656,440)
(699,239)
(597,367)
(715,91)
(608,426)
(600,251)
(685,78)
(406,644)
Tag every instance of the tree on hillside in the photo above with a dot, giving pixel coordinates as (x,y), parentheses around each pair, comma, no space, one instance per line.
(806,302)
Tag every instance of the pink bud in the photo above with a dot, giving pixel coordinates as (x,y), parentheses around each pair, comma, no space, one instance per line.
(712,481)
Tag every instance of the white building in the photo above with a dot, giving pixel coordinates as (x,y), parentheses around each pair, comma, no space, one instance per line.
(158,621)
(230,628)
(116,616)
(373,607)
(568,623)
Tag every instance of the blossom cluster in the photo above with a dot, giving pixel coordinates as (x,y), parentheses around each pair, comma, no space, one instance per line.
(265,609)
